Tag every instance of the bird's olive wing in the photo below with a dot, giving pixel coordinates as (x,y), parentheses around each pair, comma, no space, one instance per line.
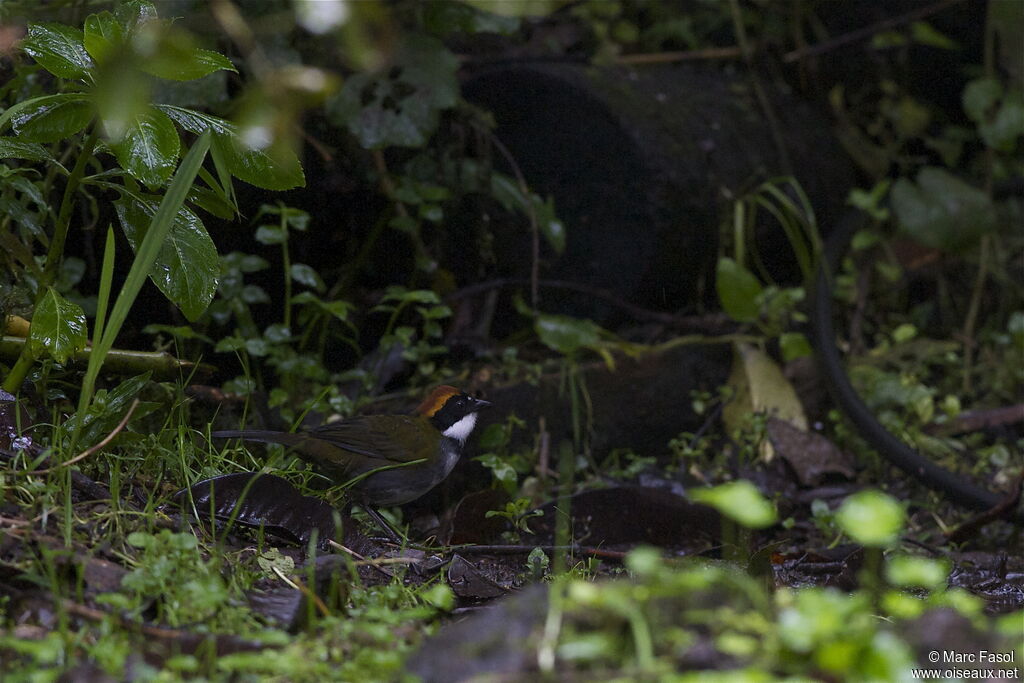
(390,438)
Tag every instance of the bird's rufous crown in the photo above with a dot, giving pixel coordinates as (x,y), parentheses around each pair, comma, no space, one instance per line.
(436,400)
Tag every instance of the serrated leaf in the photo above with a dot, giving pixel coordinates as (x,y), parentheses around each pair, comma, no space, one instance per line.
(10,148)
(149,148)
(103,36)
(59,49)
(187,268)
(942,211)
(52,117)
(58,327)
(737,289)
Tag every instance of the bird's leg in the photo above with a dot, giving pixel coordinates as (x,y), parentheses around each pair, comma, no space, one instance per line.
(385,526)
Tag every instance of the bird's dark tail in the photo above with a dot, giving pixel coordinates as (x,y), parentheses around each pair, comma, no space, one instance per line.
(261,435)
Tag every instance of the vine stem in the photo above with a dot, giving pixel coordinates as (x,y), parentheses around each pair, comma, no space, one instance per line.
(12,383)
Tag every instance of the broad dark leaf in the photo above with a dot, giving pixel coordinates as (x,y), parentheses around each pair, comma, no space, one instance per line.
(655,516)
(263,500)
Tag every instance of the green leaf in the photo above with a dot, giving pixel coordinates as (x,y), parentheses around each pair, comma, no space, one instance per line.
(58,49)
(871,518)
(925,34)
(550,227)
(443,17)
(109,409)
(1001,132)
(980,96)
(103,36)
(134,13)
(270,234)
(176,58)
(281,171)
(567,335)
(400,108)
(51,118)
(738,290)
(58,327)
(187,267)
(197,122)
(305,275)
(741,502)
(149,148)
(942,211)
(11,148)
(907,571)
(794,345)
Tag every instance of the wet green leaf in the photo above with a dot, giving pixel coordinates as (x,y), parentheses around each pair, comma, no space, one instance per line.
(187,268)
(149,148)
(59,49)
(103,36)
(52,117)
(58,327)
(278,171)
(11,148)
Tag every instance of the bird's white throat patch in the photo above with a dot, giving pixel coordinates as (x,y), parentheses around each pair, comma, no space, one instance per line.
(462,429)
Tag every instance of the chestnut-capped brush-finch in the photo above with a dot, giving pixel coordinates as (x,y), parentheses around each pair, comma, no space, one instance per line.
(410,453)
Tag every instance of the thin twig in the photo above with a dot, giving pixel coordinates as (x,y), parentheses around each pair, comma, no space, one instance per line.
(361,560)
(302,588)
(531,214)
(867,31)
(92,449)
(731,52)
(759,91)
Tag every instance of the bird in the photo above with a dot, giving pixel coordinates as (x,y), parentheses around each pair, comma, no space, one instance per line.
(390,460)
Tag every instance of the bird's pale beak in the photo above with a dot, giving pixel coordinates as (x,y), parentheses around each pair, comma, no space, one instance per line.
(480,403)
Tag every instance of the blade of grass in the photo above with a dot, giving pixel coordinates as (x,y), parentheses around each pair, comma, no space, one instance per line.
(141,266)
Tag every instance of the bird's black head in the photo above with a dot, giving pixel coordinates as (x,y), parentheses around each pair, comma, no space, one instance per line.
(452,411)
